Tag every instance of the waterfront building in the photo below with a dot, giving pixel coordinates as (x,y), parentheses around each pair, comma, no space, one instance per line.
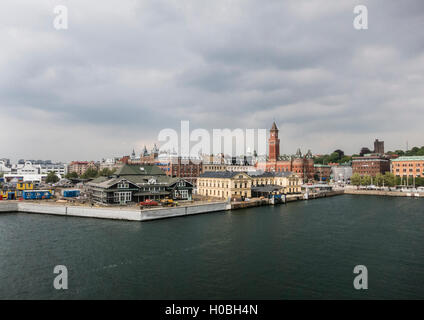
(25,172)
(46,166)
(136,183)
(370,165)
(80,167)
(302,165)
(322,172)
(176,166)
(341,173)
(5,166)
(224,184)
(408,166)
(286,182)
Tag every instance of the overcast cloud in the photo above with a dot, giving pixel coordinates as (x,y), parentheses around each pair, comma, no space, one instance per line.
(126,69)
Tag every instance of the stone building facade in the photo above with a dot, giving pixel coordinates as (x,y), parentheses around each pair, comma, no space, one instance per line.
(224,184)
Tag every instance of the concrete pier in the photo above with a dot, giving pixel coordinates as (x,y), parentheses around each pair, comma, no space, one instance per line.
(117,213)
(385,193)
(136,214)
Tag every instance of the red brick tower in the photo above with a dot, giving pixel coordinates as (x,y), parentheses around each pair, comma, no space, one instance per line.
(274,143)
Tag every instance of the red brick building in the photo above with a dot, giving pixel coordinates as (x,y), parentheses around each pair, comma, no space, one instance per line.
(322,172)
(181,168)
(301,165)
(370,165)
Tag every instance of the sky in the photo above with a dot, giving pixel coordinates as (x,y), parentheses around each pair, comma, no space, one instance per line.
(126,69)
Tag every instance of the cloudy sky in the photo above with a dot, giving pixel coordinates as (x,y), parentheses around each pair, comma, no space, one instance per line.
(125,69)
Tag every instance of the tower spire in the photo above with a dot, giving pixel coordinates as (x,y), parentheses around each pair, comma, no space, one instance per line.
(274,143)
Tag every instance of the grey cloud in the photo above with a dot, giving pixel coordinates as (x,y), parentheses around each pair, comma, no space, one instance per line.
(123,71)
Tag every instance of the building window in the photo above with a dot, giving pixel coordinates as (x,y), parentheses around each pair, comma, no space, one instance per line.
(123,185)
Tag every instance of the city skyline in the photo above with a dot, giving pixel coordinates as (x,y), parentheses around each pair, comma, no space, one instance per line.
(119,75)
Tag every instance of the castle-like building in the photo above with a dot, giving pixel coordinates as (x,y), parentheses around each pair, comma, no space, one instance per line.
(302,165)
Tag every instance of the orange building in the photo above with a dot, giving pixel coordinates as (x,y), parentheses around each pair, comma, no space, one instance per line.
(408,166)
(80,167)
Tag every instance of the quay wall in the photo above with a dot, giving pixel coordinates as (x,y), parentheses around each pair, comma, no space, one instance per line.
(326,194)
(383,193)
(8,206)
(183,211)
(113,213)
(42,208)
(249,204)
(104,213)
(135,214)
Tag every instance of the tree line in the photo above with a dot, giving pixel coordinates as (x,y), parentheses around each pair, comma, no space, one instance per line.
(415,151)
(387,180)
(90,173)
(337,156)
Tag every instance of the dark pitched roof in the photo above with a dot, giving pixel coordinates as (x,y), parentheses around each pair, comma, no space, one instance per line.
(106,182)
(131,169)
(267,174)
(261,174)
(274,126)
(220,174)
(283,173)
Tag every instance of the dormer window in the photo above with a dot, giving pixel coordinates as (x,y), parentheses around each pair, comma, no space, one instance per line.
(123,185)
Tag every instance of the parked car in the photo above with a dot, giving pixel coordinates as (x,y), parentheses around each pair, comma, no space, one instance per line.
(149,203)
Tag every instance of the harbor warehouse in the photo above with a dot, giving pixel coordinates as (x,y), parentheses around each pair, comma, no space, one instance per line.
(136,183)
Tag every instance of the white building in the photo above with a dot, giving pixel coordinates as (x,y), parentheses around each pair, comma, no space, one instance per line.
(25,172)
(4,168)
(110,163)
(341,173)
(59,168)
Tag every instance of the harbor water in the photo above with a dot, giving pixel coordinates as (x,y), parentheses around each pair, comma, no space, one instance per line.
(302,250)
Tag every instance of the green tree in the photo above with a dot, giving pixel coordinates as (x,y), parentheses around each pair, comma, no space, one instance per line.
(389,179)
(52,178)
(334,157)
(106,172)
(366,180)
(415,151)
(90,173)
(345,159)
(378,180)
(355,179)
(71,175)
(419,181)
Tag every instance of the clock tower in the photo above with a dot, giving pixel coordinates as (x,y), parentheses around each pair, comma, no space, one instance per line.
(274,143)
